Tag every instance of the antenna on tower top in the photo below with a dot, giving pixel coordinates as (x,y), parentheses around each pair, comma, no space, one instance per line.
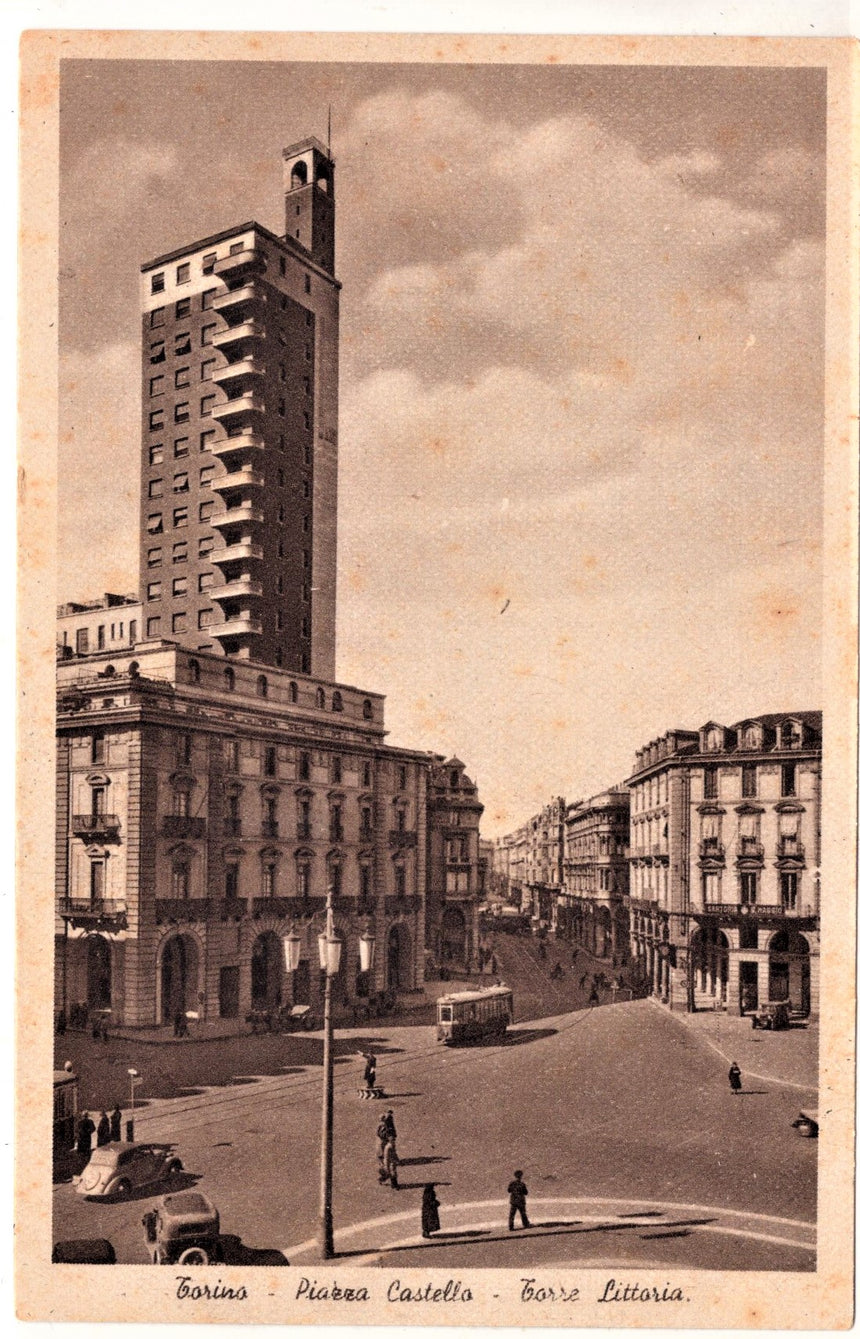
(328,141)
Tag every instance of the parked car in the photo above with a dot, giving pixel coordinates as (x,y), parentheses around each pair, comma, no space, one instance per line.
(184,1229)
(84,1251)
(772,1015)
(115,1170)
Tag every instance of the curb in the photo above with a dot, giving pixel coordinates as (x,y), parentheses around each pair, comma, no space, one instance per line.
(753,1074)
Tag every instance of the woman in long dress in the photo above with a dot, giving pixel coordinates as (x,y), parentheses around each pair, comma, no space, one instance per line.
(735,1078)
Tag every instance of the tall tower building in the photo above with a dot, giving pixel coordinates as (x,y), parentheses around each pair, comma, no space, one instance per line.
(238,534)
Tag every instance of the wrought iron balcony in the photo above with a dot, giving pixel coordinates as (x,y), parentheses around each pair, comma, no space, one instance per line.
(710,848)
(750,848)
(93,911)
(790,848)
(402,837)
(183,825)
(102,827)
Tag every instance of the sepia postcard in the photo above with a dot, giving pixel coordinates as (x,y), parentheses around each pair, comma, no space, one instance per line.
(437,644)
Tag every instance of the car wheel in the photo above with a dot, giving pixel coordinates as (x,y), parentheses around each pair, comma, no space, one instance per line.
(122,1189)
(194,1255)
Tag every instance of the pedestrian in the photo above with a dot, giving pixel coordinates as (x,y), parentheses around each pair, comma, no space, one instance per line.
(381,1141)
(429,1210)
(517,1192)
(103,1130)
(370,1071)
(735,1077)
(390,1127)
(86,1130)
(116,1124)
(390,1161)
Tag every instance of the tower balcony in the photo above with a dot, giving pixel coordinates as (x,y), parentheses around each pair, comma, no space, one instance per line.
(233,336)
(248,261)
(238,371)
(229,303)
(242,441)
(243,478)
(245,551)
(245,624)
(237,589)
(230,410)
(245,513)
(96,827)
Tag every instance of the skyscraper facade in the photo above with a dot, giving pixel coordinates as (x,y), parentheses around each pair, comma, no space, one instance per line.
(238,533)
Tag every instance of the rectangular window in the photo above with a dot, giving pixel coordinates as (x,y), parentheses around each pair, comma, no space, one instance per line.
(180,551)
(157,352)
(82,641)
(205,618)
(206,405)
(270,760)
(236,247)
(154,524)
(205,546)
(231,755)
(180,585)
(156,317)
(153,558)
(208,296)
(206,475)
(308,285)
(206,333)
(711,787)
(282,265)
(153,627)
(282,407)
(180,622)
(156,419)
(156,454)
(749,887)
(180,517)
(156,487)
(183,272)
(183,308)
(231,882)
(206,510)
(789,779)
(153,590)
(208,263)
(156,283)
(748,781)
(180,483)
(304,766)
(180,447)
(181,412)
(207,369)
(183,342)
(205,581)
(132,631)
(182,377)
(206,439)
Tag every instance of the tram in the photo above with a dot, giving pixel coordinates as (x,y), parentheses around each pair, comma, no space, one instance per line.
(65,1110)
(473,1015)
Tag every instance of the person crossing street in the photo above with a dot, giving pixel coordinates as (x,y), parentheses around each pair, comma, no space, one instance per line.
(517,1192)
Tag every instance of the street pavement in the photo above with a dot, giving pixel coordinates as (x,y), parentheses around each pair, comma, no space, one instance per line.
(622,1120)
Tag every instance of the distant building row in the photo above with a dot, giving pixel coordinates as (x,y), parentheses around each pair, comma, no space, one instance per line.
(699,874)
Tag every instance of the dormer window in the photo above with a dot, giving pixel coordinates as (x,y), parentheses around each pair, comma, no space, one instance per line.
(752,737)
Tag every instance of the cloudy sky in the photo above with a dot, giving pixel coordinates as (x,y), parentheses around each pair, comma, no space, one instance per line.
(581,381)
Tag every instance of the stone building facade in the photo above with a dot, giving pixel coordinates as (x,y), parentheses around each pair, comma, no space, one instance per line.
(724,864)
(454,872)
(593,903)
(203,808)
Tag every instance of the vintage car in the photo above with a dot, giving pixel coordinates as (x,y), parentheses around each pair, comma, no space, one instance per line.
(115,1170)
(772,1015)
(184,1229)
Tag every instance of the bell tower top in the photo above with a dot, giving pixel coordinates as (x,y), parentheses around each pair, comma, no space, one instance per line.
(309,199)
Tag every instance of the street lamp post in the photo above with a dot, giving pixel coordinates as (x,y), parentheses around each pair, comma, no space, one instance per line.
(129,1125)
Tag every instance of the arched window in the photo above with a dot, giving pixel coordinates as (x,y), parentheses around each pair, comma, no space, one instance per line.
(229,679)
(336,701)
(262,686)
(299,175)
(194,671)
(367,709)
(293,692)
(320,697)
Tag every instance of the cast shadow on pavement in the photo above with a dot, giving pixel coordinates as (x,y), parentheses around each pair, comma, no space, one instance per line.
(237,1253)
(422,1162)
(526,1035)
